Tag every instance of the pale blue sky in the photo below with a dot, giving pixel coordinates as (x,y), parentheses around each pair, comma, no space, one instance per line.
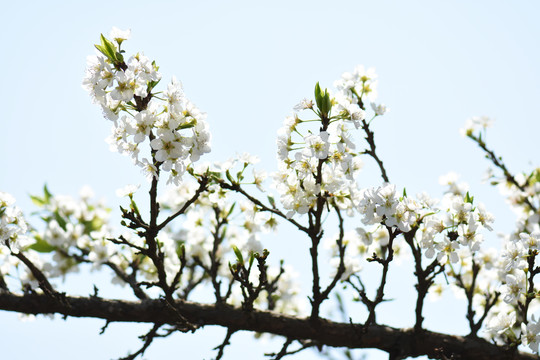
(247,64)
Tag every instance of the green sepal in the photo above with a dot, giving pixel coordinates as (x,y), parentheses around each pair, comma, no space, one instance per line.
(229,177)
(239,175)
(188,125)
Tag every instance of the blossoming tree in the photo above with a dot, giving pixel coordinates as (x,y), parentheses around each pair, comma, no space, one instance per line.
(204,225)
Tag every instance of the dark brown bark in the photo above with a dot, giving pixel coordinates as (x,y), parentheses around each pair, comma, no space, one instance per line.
(398,342)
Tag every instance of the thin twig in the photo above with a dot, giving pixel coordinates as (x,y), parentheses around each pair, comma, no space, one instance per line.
(226,341)
(237,188)
(148,338)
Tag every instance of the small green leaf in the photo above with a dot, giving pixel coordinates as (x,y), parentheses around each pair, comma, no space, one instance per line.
(231,209)
(41,246)
(101,49)
(133,205)
(37,200)
(181,251)
(272,201)
(60,220)
(327,104)
(318,95)
(323,100)
(109,48)
(47,194)
(94,225)
(239,256)
(468,198)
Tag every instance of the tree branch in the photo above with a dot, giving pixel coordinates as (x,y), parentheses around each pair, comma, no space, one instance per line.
(405,341)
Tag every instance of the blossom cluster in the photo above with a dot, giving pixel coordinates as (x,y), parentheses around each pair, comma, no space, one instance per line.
(383,205)
(516,265)
(174,127)
(75,228)
(13,226)
(456,218)
(459,221)
(476,123)
(323,161)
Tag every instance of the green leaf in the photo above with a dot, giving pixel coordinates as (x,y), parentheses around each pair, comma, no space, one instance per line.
(101,49)
(323,100)
(239,256)
(272,201)
(181,251)
(107,48)
(327,104)
(47,194)
(41,246)
(231,209)
(133,205)
(318,96)
(535,176)
(37,200)
(60,220)
(94,225)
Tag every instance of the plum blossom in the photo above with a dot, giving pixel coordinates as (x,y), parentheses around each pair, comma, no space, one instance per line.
(119,35)
(530,334)
(174,126)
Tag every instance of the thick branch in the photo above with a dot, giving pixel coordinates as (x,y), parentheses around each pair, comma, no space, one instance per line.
(404,341)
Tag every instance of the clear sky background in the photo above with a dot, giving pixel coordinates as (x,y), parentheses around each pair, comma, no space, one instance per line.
(247,64)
